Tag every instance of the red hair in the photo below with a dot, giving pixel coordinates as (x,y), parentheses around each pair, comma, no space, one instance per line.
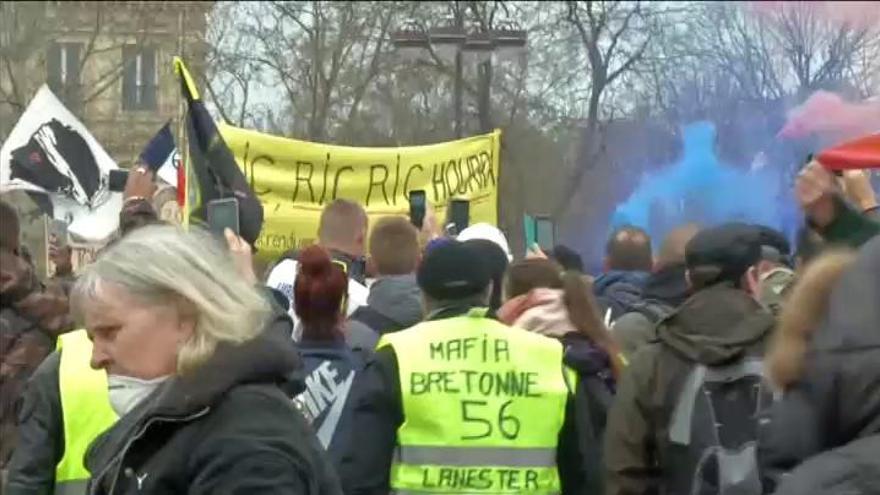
(319,294)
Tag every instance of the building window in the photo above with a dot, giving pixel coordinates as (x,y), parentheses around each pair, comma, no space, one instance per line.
(62,70)
(139,78)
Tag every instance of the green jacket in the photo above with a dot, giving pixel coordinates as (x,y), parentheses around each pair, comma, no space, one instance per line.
(715,326)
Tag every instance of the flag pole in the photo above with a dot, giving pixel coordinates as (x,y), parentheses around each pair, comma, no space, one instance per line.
(183,151)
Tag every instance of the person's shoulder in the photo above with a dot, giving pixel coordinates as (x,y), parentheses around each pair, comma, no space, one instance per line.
(631,319)
(841,470)
(255,426)
(258,409)
(282,278)
(528,336)
(49,368)
(283,272)
(360,336)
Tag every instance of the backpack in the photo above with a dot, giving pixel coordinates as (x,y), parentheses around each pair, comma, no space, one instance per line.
(713,430)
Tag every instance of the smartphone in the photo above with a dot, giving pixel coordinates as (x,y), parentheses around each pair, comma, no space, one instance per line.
(117,179)
(417,206)
(222,214)
(58,228)
(545,233)
(459,214)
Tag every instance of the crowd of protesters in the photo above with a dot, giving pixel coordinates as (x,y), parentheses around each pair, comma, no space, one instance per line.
(388,358)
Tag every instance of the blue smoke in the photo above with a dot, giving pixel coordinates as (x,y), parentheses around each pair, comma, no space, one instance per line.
(701,189)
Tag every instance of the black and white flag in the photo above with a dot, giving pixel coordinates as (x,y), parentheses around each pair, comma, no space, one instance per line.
(51,153)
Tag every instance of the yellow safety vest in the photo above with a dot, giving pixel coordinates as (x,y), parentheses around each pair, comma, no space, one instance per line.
(483,406)
(86,410)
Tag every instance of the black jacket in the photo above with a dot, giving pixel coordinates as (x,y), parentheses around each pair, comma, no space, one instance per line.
(850,470)
(227,427)
(838,398)
(328,401)
(40,434)
(379,414)
(589,407)
(41,431)
(715,326)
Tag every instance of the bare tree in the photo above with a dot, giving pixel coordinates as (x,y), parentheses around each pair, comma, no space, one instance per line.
(232,76)
(819,50)
(324,55)
(614,36)
(25,32)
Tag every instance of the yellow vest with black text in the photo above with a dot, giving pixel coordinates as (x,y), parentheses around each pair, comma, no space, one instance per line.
(85,404)
(483,405)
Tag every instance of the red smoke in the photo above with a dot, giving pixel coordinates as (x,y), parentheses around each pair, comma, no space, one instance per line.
(856,14)
(828,115)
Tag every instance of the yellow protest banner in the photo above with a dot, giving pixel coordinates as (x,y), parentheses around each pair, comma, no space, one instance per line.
(296,179)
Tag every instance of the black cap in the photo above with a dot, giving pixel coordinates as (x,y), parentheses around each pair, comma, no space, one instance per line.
(774,246)
(732,247)
(453,270)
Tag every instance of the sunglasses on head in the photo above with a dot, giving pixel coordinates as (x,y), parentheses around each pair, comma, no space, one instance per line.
(343,306)
(342,266)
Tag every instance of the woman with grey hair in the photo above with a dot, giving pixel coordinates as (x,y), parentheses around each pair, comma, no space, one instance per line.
(194,356)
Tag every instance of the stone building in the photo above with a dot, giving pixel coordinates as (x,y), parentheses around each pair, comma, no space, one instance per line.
(110,62)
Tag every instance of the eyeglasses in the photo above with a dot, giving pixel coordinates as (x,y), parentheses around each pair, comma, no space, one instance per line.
(343,266)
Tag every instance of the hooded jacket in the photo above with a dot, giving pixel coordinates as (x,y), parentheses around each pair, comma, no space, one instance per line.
(394,303)
(32,315)
(619,291)
(40,420)
(226,427)
(837,399)
(716,326)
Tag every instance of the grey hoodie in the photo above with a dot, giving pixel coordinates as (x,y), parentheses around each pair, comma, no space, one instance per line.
(398,298)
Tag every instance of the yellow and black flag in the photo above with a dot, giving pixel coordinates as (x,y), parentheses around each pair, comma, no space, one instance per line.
(211,170)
